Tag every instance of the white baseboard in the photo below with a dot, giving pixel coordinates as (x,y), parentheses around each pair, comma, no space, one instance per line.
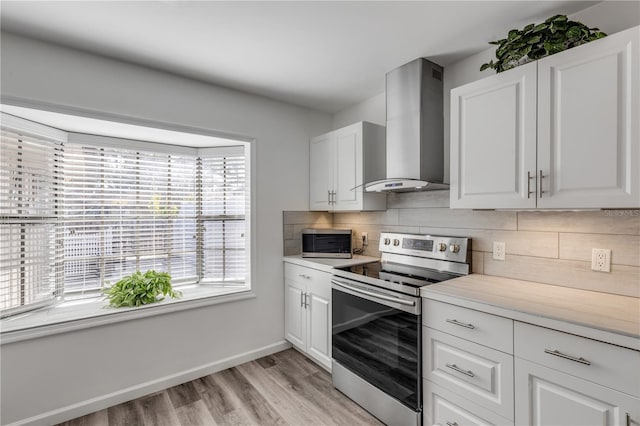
(99,403)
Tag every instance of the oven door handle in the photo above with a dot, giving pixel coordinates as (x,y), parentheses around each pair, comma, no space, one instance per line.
(373,294)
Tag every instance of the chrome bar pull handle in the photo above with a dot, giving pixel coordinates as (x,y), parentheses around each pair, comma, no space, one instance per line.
(301,300)
(556,352)
(374,294)
(628,419)
(460,370)
(529,191)
(452,424)
(461,324)
(333,193)
(328,196)
(306,302)
(540,184)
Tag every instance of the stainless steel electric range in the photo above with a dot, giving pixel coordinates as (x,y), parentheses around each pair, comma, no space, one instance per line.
(376,322)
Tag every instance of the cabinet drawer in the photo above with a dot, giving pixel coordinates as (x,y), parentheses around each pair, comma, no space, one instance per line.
(479,327)
(478,373)
(443,407)
(608,365)
(315,281)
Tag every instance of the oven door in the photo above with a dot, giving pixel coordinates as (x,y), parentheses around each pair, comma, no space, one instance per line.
(376,335)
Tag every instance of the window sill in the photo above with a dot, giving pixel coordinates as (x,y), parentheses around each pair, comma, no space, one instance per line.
(79,314)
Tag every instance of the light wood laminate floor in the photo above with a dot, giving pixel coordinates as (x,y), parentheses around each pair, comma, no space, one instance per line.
(281,389)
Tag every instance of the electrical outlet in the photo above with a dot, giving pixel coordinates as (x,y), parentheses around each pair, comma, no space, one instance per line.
(601,260)
(499,250)
(365,238)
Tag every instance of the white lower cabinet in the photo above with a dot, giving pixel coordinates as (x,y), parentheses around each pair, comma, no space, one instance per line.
(443,407)
(483,369)
(480,374)
(467,364)
(549,397)
(563,379)
(308,311)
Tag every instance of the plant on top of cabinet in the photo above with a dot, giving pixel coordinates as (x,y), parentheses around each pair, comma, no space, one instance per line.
(558,133)
(537,41)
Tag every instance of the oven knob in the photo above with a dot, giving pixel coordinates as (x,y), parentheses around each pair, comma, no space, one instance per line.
(455,248)
(442,247)
(387,241)
(396,242)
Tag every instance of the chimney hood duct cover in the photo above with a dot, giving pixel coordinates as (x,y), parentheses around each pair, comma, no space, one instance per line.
(415,129)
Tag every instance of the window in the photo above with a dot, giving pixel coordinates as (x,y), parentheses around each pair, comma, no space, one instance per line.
(30,205)
(223,223)
(82,213)
(127,210)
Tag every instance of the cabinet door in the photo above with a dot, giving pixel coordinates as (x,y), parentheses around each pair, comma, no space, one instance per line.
(588,126)
(493,141)
(319,329)
(549,397)
(295,314)
(348,169)
(319,318)
(321,170)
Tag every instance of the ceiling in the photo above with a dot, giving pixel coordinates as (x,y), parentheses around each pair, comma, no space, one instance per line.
(325,55)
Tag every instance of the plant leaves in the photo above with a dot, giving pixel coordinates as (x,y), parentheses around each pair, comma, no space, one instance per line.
(140,289)
(533,42)
(512,34)
(573,32)
(539,27)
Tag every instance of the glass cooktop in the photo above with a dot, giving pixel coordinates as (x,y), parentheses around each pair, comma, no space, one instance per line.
(401,274)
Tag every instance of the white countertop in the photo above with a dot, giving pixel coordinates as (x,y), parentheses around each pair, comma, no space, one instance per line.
(326,265)
(601,316)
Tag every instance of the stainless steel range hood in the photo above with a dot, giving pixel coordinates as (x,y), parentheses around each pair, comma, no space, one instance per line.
(415,129)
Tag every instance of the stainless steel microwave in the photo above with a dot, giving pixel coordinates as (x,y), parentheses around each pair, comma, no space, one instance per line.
(332,243)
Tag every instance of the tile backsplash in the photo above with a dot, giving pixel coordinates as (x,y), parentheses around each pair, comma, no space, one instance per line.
(295,222)
(552,247)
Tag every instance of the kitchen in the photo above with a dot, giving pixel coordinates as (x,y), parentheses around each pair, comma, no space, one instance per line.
(548,247)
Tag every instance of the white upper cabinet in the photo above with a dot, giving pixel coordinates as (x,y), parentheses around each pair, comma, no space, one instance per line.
(493,122)
(341,162)
(561,132)
(589,124)
(321,164)
(348,166)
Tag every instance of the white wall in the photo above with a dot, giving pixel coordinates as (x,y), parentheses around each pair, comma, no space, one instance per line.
(51,373)
(372,109)
(609,16)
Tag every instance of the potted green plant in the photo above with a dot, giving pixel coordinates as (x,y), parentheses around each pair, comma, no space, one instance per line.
(533,42)
(140,289)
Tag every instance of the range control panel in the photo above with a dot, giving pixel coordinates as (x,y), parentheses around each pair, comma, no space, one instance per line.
(456,249)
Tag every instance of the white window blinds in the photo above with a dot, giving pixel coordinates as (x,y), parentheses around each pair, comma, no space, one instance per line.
(30,203)
(223,224)
(78,214)
(127,210)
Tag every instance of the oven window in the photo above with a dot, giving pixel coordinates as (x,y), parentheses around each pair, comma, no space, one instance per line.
(378,343)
